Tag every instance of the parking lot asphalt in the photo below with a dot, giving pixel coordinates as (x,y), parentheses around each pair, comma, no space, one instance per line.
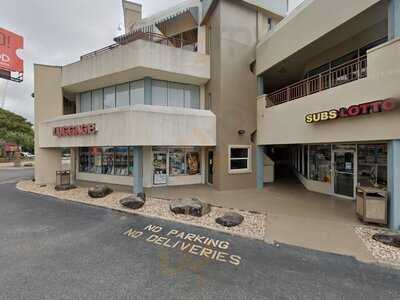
(55,249)
(14,174)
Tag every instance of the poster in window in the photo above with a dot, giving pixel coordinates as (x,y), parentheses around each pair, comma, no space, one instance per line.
(193,163)
(177,163)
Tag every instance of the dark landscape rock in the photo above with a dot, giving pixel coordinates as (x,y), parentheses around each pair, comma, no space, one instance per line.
(132,202)
(64,187)
(193,207)
(230,219)
(387,239)
(99,191)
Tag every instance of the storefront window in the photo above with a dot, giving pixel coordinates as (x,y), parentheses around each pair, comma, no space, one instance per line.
(298,157)
(164,93)
(177,165)
(176,94)
(97,100)
(109,97)
(122,95)
(192,97)
(130,161)
(95,160)
(305,154)
(121,161)
(108,161)
(86,102)
(193,163)
(372,165)
(84,160)
(320,163)
(344,147)
(159,93)
(137,92)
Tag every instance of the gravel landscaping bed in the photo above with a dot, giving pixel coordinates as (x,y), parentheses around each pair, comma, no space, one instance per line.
(253,225)
(382,253)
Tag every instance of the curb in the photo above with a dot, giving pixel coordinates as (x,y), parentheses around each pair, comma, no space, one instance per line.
(135,213)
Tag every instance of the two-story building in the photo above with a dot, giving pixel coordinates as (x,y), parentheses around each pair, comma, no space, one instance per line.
(329,98)
(171,102)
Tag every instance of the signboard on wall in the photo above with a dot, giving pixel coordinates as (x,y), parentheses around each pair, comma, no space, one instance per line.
(9,44)
(77,130)
(352,111)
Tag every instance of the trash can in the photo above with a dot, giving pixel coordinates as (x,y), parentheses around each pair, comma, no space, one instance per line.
(372,205)
(63,178)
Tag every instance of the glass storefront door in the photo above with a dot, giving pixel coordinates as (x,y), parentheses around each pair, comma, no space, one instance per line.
(344,173)
(160,175)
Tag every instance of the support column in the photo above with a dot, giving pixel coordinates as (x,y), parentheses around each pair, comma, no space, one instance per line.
(47,163)
(48,104)
(394,184)
(138,169)
(394,19)
(147,91)
(260,166)
(73,164)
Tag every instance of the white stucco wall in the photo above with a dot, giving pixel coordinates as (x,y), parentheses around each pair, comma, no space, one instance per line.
(133,61)
(309,22)
(138,125)
(285,123)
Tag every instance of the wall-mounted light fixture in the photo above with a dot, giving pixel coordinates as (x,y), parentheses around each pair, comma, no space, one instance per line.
(241,132)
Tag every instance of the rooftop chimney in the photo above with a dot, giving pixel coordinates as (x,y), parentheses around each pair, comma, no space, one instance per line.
(132,14)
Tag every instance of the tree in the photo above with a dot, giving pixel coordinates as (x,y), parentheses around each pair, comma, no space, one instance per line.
(14,128)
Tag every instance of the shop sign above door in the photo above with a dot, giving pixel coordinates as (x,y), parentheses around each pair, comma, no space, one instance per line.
(76,130)
(352,111)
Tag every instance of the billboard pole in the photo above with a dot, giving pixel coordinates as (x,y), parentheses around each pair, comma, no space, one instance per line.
(4,93)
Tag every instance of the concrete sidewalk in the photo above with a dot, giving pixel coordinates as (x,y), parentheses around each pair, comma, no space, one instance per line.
(295,216)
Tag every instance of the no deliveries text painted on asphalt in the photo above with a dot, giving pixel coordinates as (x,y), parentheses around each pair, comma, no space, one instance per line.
(194,244)
(9,44)
(352,111)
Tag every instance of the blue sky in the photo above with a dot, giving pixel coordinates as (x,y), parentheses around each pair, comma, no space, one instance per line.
(58,32)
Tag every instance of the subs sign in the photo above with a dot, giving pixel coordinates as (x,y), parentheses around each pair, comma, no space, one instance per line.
(78,130)
(352,111)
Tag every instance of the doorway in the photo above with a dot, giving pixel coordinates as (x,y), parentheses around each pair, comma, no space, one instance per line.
(344,172)
(210,167)
(160,168)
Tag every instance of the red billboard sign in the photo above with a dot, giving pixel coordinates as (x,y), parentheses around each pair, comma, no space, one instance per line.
(9,44)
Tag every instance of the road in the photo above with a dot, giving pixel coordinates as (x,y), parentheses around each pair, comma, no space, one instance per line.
(14,174)
(55,249)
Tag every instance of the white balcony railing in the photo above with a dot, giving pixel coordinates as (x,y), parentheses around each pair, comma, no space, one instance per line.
(175,42)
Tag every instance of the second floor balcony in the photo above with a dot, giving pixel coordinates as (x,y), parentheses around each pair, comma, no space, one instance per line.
(314,59)
(342,74)
(148,55)
(286,123)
